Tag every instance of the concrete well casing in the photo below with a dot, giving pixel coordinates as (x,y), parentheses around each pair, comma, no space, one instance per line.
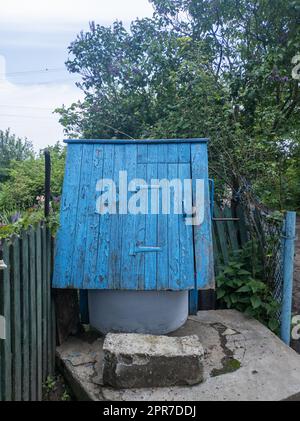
(152,312)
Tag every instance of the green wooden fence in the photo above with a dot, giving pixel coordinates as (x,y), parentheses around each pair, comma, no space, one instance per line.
(27,355)
(229,234)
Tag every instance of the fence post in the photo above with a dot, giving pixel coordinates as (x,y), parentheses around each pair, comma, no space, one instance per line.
(288,273)
(47,182)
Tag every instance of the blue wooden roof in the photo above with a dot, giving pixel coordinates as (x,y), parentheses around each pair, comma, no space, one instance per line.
(135,141)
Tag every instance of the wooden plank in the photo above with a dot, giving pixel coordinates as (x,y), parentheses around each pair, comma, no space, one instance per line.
(128,278)
(135,141)
(184,153)
(16,320)
(173,153)
(5,307)
(32,315)
(44,303)
(150,234)
(51,319)
(84,196)
(153,156)
(217,260)
(25,315)
(173,234)
(53,337)
(186,242)
(162,153)
(232,230)
(142,154)
(115,245)
(242,225)
(203,232)
(140,233)
(100,276)
(162,234)
(39,300)
(66,234)
(222,236)
(93,221)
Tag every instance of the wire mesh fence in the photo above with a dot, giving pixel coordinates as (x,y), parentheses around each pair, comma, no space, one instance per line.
(274,235)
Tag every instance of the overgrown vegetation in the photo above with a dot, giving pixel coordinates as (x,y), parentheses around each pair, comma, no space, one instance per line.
(22,191)
(26,179)
(218,69)
(55,389)
(241,285)
(12,149)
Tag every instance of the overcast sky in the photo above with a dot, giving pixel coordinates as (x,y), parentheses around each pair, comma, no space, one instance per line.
(34,36)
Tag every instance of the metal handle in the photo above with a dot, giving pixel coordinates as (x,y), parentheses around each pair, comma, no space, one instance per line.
(146,187)
(143,249)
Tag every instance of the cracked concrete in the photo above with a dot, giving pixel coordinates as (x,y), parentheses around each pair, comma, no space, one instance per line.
(261,366)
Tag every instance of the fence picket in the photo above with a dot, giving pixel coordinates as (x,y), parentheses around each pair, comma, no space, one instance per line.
(232,230)
(221,235)
(44,304)
(32,317)
(39,299)
(25,316)
(16,320)
(50,305)
(5,306)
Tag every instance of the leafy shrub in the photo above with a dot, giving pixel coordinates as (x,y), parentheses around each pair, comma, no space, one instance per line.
(27,178)
(14,223)
(237,288)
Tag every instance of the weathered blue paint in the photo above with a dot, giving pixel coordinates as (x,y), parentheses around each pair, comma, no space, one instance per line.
(212,196)
(289,234)
(135,141)
(131,252)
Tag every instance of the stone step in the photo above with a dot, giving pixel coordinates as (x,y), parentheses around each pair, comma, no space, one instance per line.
(136,360)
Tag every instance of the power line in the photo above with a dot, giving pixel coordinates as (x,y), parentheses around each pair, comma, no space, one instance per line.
(50,82)
(26,116)
(47,70)
(26,106)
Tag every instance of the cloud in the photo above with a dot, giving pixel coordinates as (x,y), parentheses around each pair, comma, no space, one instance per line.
(35,35)
(45,14)
(28,109)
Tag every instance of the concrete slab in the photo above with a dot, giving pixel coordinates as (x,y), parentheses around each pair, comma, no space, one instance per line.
(243,361)
(134,360)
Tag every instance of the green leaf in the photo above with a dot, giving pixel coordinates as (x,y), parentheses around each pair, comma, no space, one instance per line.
(220,293)
(245,288)
(255,301)
(273,325)
(243,272)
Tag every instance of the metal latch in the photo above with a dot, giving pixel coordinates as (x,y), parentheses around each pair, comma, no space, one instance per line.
(143,249)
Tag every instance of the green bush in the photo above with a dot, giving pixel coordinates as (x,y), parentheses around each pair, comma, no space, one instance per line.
(27,178)
(237,288)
